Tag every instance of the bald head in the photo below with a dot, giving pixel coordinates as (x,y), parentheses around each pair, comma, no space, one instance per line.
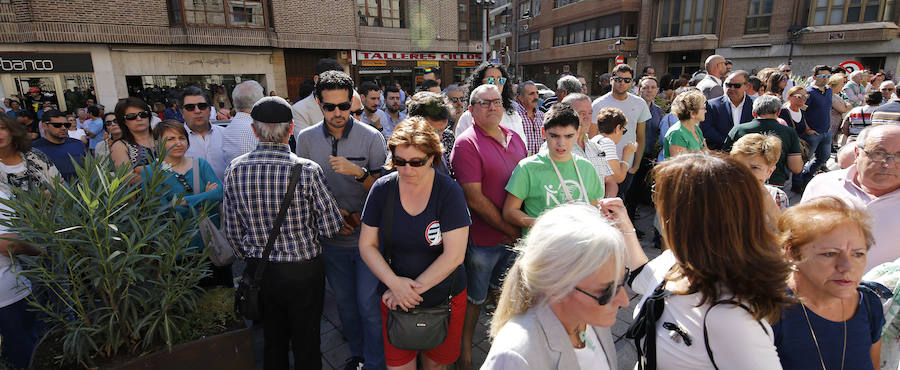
(715,65)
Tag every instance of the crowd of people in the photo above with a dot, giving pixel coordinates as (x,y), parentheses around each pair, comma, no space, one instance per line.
(488,196)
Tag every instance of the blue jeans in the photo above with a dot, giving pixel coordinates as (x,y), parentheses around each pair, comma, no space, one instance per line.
(17,326)
(355,289)
(486,266)
(820,151)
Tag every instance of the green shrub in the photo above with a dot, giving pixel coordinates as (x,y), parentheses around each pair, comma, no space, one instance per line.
(116,276)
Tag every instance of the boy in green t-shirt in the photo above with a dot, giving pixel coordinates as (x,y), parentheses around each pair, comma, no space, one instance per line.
(536,181)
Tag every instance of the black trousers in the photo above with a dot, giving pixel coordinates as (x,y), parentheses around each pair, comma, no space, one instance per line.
(292,294)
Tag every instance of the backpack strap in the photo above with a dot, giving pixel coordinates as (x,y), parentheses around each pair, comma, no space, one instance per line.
(706,335)
(644,326)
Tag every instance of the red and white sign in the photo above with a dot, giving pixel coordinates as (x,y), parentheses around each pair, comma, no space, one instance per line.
(620,59)
(450,57)
(851,66)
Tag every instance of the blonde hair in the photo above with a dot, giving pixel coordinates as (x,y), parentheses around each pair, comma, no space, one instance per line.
(687,103)
(837,79)
(565,245)
(417,132)
(767,146)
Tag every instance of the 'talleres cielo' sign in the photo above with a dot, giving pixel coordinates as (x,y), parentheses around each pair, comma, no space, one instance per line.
(441,57)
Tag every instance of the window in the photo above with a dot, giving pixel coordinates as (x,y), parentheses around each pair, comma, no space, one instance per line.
(380,13)
(226,13)
(562,3)
(686,17)
(759,16)
(606,27)
(531,41)
(475,11)
(529,8)
(845,11)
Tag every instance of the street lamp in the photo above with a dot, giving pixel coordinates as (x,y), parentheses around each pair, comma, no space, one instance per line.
(524,16)
(485,8)
(795,32)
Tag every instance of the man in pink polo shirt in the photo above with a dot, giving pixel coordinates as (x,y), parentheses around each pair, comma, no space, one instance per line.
(872,183)
(483,158)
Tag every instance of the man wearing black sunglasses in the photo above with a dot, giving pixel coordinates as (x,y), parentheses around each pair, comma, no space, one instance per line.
(57,144)
(205,139)
(351,155)
(728,110)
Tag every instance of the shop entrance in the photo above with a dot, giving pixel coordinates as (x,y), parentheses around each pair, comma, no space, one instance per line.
(64,91)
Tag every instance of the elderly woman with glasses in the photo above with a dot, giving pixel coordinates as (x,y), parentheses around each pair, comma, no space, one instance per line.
(418,216)
(135,147)
(561,296)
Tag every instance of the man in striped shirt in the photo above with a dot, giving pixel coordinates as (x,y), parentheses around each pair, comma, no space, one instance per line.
(860,117)
(532,117)
(293,286)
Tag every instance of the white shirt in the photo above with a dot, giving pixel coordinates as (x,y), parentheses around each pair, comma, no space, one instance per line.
(306,113)
(238,137)
(736,111)
(510,121)
(591,356)
(884,210)
(12,287)
(208,148)
(76,134)
(154,120)
(737,341)
(635,109)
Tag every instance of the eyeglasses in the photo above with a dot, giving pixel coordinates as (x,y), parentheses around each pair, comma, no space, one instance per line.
(609,292)
(398,162)
(879,156)
(624,130)
(144,114)
(191,107)
(60,124)
(110,122)
(492,80)
(799,96)
(734,85)
(328,107)
(485,103)
(824,76)
(356,112)
(787,71)
(455,99)
(623,79)
(887,89)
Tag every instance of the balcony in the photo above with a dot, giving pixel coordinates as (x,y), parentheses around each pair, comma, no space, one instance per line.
(499,6)
(500,30)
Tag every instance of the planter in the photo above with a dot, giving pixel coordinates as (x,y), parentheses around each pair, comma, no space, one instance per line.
(231,350)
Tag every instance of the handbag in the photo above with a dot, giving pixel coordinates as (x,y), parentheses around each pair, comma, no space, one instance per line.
(419,329)
(247,300)
(221,252)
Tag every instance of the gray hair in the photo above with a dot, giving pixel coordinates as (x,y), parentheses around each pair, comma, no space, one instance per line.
(271,132)
(739,72)
(766,104)
(863,136)
(566,244)
(483,88)
(245,94)
(574,97)
(452,89)
(521,87)
(569,84)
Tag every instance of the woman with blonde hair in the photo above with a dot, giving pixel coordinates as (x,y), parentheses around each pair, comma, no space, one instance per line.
(760,153)
(839,104)
(838,320)
(561,296)
(685,135)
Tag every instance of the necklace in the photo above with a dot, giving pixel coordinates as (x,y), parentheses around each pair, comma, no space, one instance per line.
(816,342)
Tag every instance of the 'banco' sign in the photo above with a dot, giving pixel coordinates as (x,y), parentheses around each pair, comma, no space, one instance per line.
(45,62)
(382,55)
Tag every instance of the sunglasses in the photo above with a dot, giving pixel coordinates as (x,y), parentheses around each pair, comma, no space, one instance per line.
(60,124)
(110,122)
(824,76)
(144,114)
(734,86)
(328,107)
(415,162)
(356,112)
(798,96)
(624,130)
(455,99)
(492,80)
(787,71)
(888,89)
(609,292)
(623,79)
(191,107)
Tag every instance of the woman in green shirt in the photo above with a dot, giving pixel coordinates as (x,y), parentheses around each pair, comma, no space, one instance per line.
(685,135)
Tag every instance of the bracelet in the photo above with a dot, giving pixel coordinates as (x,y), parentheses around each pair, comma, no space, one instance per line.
(633,231)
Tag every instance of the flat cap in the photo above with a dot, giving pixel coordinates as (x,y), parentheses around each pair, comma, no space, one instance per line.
(272,109)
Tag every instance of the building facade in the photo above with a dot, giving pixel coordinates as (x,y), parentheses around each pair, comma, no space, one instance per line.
(153,47)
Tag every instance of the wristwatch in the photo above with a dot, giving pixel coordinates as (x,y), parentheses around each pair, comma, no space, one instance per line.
(364,175)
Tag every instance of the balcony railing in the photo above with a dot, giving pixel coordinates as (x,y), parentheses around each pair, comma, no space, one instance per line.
(501,28)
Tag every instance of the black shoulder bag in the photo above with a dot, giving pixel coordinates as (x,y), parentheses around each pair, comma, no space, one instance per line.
(419,329)
(247,301)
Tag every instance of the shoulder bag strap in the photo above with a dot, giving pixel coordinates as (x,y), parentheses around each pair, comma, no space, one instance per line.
(388,225)
(706,335)
(644,326)
(276,226)
(195,167)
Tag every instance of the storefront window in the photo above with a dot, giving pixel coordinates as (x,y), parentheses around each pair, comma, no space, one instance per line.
(65,80)
(165,88)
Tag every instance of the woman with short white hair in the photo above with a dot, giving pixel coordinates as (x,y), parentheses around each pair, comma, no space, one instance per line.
(561,296)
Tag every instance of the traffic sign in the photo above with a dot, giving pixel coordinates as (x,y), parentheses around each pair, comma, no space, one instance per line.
(620,59)
(851,66)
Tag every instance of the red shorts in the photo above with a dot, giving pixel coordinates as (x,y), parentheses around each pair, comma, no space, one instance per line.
(446,353)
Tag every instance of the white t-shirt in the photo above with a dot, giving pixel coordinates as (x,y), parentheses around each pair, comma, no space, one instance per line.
(736,339)
(12,287)
(635,109)
(14,169)
(591,356)
(77,134)
(608,146)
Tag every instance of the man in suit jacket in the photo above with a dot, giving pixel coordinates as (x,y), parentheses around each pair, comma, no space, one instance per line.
(728,110)
(711,86)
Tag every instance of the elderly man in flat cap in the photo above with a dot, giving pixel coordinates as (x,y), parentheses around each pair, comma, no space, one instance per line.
(293,282)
